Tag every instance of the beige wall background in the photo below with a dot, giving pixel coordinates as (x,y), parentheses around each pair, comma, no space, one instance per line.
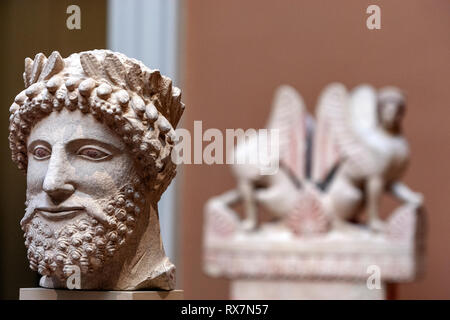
(238,52)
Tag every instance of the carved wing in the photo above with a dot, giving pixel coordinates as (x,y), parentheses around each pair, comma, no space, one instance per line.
(362,110)
(359,146)
(289,116)
(330,116)
(345,123)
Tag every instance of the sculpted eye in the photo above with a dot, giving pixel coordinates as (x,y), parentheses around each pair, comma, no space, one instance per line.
(92,153)
(41,153)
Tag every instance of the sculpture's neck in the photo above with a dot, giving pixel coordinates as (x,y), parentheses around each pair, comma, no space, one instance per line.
(148,267)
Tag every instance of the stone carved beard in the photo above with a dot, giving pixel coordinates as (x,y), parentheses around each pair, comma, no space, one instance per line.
(87,242)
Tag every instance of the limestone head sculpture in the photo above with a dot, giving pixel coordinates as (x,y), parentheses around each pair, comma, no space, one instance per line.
(94,132)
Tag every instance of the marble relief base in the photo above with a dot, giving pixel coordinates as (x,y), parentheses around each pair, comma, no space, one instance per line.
(274,262)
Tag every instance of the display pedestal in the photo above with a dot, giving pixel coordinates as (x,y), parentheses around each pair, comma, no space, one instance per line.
(304,290)
(273,262)
(54,294)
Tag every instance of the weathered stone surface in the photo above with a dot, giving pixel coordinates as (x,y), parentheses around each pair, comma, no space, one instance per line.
(79,132)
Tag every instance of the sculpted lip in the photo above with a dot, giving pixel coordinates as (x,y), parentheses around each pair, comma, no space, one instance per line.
(59,212)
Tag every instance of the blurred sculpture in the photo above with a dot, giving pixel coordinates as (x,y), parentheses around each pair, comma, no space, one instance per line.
(332,171)
(94,133)
(359,140)
(276,192)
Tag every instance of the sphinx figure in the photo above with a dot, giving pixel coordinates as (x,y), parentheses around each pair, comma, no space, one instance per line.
(93,133)
(324,201)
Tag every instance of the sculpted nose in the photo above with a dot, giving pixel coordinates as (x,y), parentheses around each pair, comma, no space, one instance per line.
(58,192)
(56,183)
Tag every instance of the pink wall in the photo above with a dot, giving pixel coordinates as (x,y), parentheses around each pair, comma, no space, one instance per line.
(237,52)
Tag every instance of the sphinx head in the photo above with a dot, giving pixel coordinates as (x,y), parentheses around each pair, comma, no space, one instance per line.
(391,108)
(94,133)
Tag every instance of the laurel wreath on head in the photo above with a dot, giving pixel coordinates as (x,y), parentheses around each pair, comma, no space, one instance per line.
(139,104)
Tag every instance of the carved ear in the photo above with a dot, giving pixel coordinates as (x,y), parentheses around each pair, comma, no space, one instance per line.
(54,65)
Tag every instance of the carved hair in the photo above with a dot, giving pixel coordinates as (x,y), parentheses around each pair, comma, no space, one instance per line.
(391,93)
(139,104)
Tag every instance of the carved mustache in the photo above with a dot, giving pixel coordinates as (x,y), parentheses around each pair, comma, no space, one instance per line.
(40,202)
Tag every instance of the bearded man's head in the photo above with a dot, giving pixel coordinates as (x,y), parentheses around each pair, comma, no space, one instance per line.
(94,133)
